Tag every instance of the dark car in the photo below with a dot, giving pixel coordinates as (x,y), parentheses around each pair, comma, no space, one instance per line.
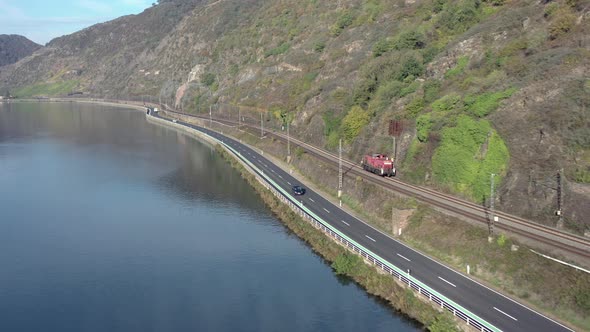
(298,190)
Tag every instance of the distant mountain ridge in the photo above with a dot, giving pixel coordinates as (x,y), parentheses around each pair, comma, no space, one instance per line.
(14,48)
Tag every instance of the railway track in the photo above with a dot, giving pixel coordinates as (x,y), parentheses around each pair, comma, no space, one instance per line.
(567,242)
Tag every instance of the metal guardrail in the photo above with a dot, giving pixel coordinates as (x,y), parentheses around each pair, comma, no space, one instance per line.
(432,295)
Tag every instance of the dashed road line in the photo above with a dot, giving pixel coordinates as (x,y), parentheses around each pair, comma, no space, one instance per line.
(404,257)
(311,199)
(289,183)
(505,313)
(347,224)
(370,238)
(448,282)
(326,210)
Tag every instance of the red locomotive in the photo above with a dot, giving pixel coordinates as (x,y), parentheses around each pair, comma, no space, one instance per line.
(379,164)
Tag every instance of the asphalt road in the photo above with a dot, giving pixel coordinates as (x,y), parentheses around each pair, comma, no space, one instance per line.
(496,309)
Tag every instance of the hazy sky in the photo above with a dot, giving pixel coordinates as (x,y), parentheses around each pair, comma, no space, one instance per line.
(43,20)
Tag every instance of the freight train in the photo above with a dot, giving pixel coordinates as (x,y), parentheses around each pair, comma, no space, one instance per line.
(379,164)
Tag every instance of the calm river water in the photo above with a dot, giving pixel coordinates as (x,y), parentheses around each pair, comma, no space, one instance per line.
(109,223)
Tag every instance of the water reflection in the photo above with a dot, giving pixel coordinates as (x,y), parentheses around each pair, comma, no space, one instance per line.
(110,223)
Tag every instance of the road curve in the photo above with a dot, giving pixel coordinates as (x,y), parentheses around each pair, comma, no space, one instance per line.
(500,311)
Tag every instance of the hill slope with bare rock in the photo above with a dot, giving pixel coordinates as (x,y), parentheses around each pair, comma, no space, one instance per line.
(14,48)
(479,87)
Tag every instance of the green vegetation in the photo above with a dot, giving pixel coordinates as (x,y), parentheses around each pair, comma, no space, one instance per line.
(346,264)
(563,20)
(462,163)
(582,175)
(208,79)
(443,323)
(46,89)
(423,126)
(354,122)
(447,103)
(284,47)
(484,104)
(344,20)
(458,69)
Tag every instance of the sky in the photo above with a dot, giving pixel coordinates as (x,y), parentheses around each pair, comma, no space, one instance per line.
(43,20)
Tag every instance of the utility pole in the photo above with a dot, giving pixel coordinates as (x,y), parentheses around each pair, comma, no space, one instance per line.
(394,151)
(340,171)
(288,145)
(261,127)
(492,217)
(559,211)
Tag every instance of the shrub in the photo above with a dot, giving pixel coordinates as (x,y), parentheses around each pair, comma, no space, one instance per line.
(501,240)
(409,89)
(346,264)
(438,5)
(582,175)
(319,46)
(550,9)
(277,50)
(484,104)
(423,126)
(380,47)
(352,124)
(410,40)
(208,79)
(562,23)
(446,103)
(342,22)
(459,68)
(431,89)
(410,67)
(429,53)
(384,95)
(415,107)
(372,10)
(459,17)
(331,122)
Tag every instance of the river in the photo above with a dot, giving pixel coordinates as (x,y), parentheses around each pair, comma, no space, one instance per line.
(109,223)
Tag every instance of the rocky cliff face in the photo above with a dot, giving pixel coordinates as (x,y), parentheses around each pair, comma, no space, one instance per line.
(479,87)
(14,48)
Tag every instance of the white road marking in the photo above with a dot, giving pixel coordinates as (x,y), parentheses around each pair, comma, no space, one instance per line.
(272,170)
(404,258)
(311,199)
(326,210)
(280,176)
(347,224)
(370,238)
(448,282)
(289,183)
(505,313)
